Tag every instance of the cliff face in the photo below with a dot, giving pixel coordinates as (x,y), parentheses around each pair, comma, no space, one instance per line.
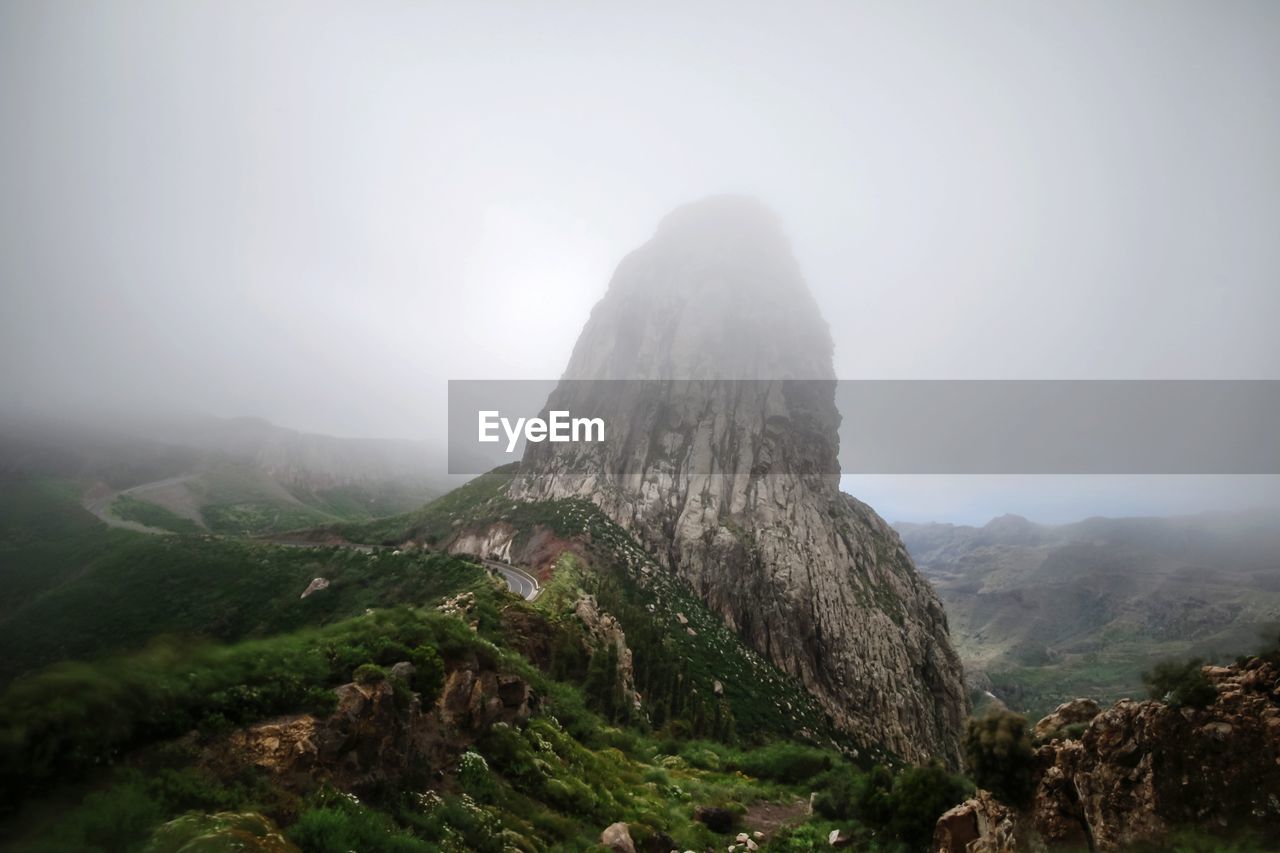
(1141,770)
(735,484)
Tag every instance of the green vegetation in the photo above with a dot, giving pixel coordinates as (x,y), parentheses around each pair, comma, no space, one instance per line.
(130,508)
(137,586)
(46,539)
(900,809)
(680,648)
(74,716)
(1180,684)
(1000,757)
(555,782)
(184,639)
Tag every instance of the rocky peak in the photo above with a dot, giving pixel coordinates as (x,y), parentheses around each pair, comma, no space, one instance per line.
(716,294)
(735,485)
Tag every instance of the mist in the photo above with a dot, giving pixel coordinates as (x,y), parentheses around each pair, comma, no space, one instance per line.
(320,213)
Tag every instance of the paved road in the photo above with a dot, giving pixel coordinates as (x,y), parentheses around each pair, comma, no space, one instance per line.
(521,582)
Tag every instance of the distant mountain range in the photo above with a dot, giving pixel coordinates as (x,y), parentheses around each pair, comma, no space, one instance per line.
(1042,613)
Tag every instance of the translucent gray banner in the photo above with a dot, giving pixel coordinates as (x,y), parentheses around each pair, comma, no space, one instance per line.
(883,427)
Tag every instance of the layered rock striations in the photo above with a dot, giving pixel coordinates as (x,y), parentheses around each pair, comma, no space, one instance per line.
(724,464)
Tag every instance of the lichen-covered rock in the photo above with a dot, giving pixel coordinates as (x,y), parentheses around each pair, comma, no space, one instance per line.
(735,486)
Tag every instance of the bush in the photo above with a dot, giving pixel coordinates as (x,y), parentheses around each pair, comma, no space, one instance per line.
(475,778)
(838,792)
(904,807)
(369,674)
(1180,684)
(920,796)
(789,763)
(428,674)
(999,754)
(338,829)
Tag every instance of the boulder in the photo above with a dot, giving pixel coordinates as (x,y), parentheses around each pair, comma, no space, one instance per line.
(980,825)
(617,837)
(315,586)
(1066,714)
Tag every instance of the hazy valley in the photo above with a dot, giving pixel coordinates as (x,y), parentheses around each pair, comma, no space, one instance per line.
(1044,613)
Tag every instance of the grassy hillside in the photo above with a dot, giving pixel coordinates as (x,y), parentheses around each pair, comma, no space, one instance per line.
(675,638)
(137,665)
(73,588)
(552,784)
(134,657)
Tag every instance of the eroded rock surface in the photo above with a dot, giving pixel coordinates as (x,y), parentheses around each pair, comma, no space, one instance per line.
(980,825)
(1075,712)
(735,485)
(1142,769)
(374,737)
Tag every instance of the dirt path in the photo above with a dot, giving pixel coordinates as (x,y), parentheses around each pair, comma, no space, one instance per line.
(98,501)
(768,818)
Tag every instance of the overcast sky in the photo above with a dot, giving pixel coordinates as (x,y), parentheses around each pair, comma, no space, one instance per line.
(318,213)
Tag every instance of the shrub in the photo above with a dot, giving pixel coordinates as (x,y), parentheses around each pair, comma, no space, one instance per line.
(428,673)
(338,829)
(999,754)
(920,795)
(1180,684)
(790,763)
(904,807)
(838,792)
(368,674)
(475,778)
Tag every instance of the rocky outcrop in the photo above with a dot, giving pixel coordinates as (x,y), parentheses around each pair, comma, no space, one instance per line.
(603,630)
(735,485)
(1142,769)
(374,737)
(490,543)
(315,586)
(1073,713)
(980,825)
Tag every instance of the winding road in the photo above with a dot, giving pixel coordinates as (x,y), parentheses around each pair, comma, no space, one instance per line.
(99,503)
(521,582)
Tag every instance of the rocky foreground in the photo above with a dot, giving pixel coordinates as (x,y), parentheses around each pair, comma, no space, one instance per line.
(1140,770)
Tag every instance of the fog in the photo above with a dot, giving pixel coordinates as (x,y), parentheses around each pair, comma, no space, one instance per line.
(319,213)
